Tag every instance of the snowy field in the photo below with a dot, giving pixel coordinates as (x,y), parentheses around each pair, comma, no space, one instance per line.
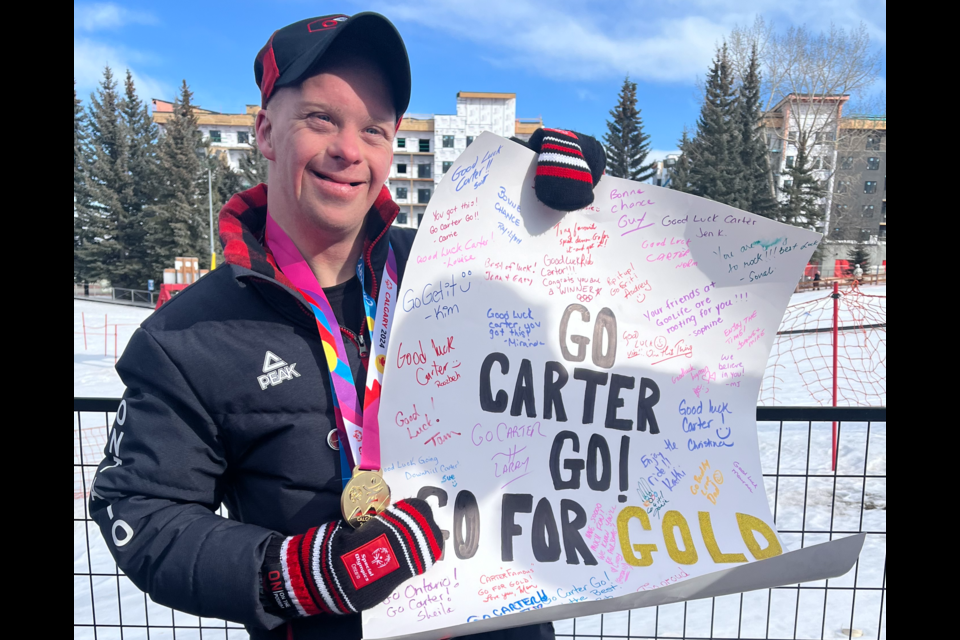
(808,504)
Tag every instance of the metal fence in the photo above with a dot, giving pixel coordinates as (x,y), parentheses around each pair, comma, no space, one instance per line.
(811,504)
(135,297)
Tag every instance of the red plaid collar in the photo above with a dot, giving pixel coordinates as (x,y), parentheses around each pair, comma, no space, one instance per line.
(243,220)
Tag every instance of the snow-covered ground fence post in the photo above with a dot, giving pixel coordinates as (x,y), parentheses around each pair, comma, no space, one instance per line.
(811,503)
(836,353)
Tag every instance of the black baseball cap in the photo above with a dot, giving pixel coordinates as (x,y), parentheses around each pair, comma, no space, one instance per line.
(292,52)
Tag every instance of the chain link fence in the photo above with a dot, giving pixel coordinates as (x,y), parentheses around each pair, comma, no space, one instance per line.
(811,504)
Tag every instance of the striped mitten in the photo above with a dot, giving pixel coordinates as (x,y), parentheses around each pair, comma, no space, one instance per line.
(337,569)
(569,167)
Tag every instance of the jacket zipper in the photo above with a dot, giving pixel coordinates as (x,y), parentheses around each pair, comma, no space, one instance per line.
(368,261)
(358,340)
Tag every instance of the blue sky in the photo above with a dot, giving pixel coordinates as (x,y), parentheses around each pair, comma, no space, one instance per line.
(565,60)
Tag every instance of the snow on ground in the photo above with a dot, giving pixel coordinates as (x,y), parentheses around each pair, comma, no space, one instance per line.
(101,332)
(799,503)
(799,370)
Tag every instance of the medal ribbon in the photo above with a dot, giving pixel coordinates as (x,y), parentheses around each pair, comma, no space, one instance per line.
(354,424)
(379,320)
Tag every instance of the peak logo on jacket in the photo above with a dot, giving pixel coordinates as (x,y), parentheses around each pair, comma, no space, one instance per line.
(275,371)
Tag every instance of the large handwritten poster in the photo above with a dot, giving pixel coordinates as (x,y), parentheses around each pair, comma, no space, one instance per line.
(575,395)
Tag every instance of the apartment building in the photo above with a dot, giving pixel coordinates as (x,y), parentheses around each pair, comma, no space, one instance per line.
(229,133)
(813,119)
(427,145)
(859,199)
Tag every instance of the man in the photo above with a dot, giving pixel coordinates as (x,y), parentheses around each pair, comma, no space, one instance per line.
(232,397)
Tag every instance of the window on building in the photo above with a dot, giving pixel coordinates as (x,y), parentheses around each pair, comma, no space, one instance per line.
(839,210)
(446,166)
(423,196)
(843,186)
(882,233)
(824,137)
(870,186)
(883,212)
(864,235)
(402,217)
(448,142)
(873,142)
(790,161)
(792,137)
(469,140)
(243,137)
(423,171)
(787,184)
(828,162)
(214,136)
(816,162)
(401,143)
(868,211)
(846,162)
(420,220)
(401,167)
(425,145)
(836,233)
(873,164)
(401,193)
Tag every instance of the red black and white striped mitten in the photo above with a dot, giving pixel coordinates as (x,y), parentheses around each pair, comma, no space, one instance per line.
(569,167)
(337,569)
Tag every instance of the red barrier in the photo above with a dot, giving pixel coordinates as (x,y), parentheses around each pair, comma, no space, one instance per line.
(167,291)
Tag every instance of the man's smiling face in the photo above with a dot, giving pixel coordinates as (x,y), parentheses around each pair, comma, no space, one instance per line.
(330,141)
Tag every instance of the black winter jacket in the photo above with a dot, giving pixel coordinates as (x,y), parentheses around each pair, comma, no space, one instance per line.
(200,426)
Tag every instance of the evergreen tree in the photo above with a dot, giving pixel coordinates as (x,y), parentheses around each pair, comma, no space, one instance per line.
(626,144)
(680,178)
(716,169)
(802,192)
(81,201)
(108,185)
(141,135)
(177,225)
(226,182)
(756,181)
(253,166)
(79,140)
(859,254)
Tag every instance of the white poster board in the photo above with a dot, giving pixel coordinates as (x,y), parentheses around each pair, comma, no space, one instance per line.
(575,396)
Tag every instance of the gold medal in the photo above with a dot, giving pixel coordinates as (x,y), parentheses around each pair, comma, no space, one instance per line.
(364,497)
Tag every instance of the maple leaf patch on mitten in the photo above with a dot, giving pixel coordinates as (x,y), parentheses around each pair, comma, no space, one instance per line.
(336,569)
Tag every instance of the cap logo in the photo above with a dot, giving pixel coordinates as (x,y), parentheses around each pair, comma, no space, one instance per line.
(325,23)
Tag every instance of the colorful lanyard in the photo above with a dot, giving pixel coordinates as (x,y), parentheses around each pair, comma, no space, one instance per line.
(359,428)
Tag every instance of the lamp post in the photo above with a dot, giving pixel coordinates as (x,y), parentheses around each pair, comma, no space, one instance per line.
(213,254)
(202,155)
